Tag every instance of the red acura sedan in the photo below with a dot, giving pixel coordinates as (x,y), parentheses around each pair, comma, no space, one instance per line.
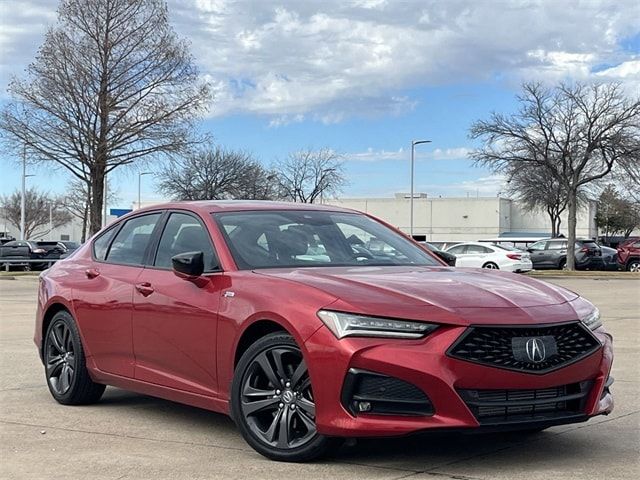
(308,324)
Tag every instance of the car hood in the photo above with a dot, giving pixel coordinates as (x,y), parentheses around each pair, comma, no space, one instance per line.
(411,290)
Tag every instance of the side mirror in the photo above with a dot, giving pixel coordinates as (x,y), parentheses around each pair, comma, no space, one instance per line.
(190,264)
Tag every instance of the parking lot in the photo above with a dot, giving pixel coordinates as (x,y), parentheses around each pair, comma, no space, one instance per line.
(129,436)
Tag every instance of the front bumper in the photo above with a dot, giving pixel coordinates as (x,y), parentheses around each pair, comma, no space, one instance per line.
(424,364)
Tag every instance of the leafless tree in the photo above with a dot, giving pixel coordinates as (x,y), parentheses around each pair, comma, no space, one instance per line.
(77,201)
(37,209)
(307,175)
(111,85)
(213,173)
(538,189)
(576,133)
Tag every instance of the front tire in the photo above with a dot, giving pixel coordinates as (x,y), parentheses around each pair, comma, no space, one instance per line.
(272,401)
(634,266)
(65,364)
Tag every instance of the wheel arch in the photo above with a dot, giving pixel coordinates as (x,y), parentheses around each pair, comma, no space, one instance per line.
(254,332)
(632,258)
(49,313)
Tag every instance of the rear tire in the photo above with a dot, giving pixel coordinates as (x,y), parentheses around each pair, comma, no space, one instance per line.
(272,402)
(65,364)
(491,266)
(562,264)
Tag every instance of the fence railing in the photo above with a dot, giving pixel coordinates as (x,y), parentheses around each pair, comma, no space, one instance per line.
(6,263)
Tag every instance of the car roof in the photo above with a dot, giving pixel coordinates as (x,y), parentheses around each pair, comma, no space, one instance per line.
(216,206)
(481,244)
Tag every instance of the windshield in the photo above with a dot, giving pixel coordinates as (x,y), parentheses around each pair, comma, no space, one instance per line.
(289,238)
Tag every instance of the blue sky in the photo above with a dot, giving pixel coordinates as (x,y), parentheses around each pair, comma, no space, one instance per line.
(364,77)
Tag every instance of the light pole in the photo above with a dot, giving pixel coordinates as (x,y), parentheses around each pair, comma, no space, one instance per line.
(24,193)
(139,186)
(413,148)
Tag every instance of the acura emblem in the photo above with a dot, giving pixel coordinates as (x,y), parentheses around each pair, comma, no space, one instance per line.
(535,350)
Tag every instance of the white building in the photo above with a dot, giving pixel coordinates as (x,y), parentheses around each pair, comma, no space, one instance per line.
(458,219)
(437,219)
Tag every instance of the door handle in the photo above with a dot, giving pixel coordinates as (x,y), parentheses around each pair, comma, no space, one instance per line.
(145,288)
(91,273)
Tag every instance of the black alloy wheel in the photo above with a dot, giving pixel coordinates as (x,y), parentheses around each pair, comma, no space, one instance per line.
(273,402)
(65,364)
(60,359)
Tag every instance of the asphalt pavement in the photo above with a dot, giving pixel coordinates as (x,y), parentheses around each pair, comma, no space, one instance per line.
(131,436)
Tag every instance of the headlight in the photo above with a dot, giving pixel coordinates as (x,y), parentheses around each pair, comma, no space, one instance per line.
(593,319)
(353,325)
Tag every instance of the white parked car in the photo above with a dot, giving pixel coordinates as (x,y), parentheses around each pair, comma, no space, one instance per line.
(489,255)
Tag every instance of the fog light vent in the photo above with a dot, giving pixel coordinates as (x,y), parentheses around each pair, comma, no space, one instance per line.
(374,393)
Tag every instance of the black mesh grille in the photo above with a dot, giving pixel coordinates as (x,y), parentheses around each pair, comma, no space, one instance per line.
(504,406)
(494,346)
(378,386)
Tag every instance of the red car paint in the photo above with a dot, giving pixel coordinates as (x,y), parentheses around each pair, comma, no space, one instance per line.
(148,330)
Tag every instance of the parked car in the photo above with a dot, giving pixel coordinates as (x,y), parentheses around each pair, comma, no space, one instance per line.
(552,253)
(629,255)
(26,250)
(487,255)
(609,258)
(69,247)
(447,257)
(444,245)
(225,306)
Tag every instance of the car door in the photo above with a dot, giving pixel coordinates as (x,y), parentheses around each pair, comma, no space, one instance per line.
(538,254)
(477,255)
(103,293)
(175,318)
(555,251)
(459,252)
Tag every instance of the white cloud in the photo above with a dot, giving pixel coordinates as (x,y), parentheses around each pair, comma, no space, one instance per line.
(371,155)
(329,60)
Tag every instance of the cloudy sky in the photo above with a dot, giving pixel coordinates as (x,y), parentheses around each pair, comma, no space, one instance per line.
(364,77)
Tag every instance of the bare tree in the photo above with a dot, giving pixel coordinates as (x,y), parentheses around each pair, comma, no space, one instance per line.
(307,175)
(538,189)
(214,173)
(576,133)
(77,202)
(112,84)
(38,205)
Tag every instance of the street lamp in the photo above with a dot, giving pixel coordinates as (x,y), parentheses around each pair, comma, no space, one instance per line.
(139,186)
(413,147)
(23,196)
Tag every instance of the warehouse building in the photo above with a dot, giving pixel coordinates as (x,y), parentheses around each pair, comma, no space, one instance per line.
(466,218)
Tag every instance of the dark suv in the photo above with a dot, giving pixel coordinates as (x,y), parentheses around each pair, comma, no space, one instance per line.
(552,253)
(629,255)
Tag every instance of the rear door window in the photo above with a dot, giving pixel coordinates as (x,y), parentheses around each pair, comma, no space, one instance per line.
(130,244)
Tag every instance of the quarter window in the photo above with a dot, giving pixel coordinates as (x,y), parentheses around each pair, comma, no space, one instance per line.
(101,244)
(184,233)
(132,240)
